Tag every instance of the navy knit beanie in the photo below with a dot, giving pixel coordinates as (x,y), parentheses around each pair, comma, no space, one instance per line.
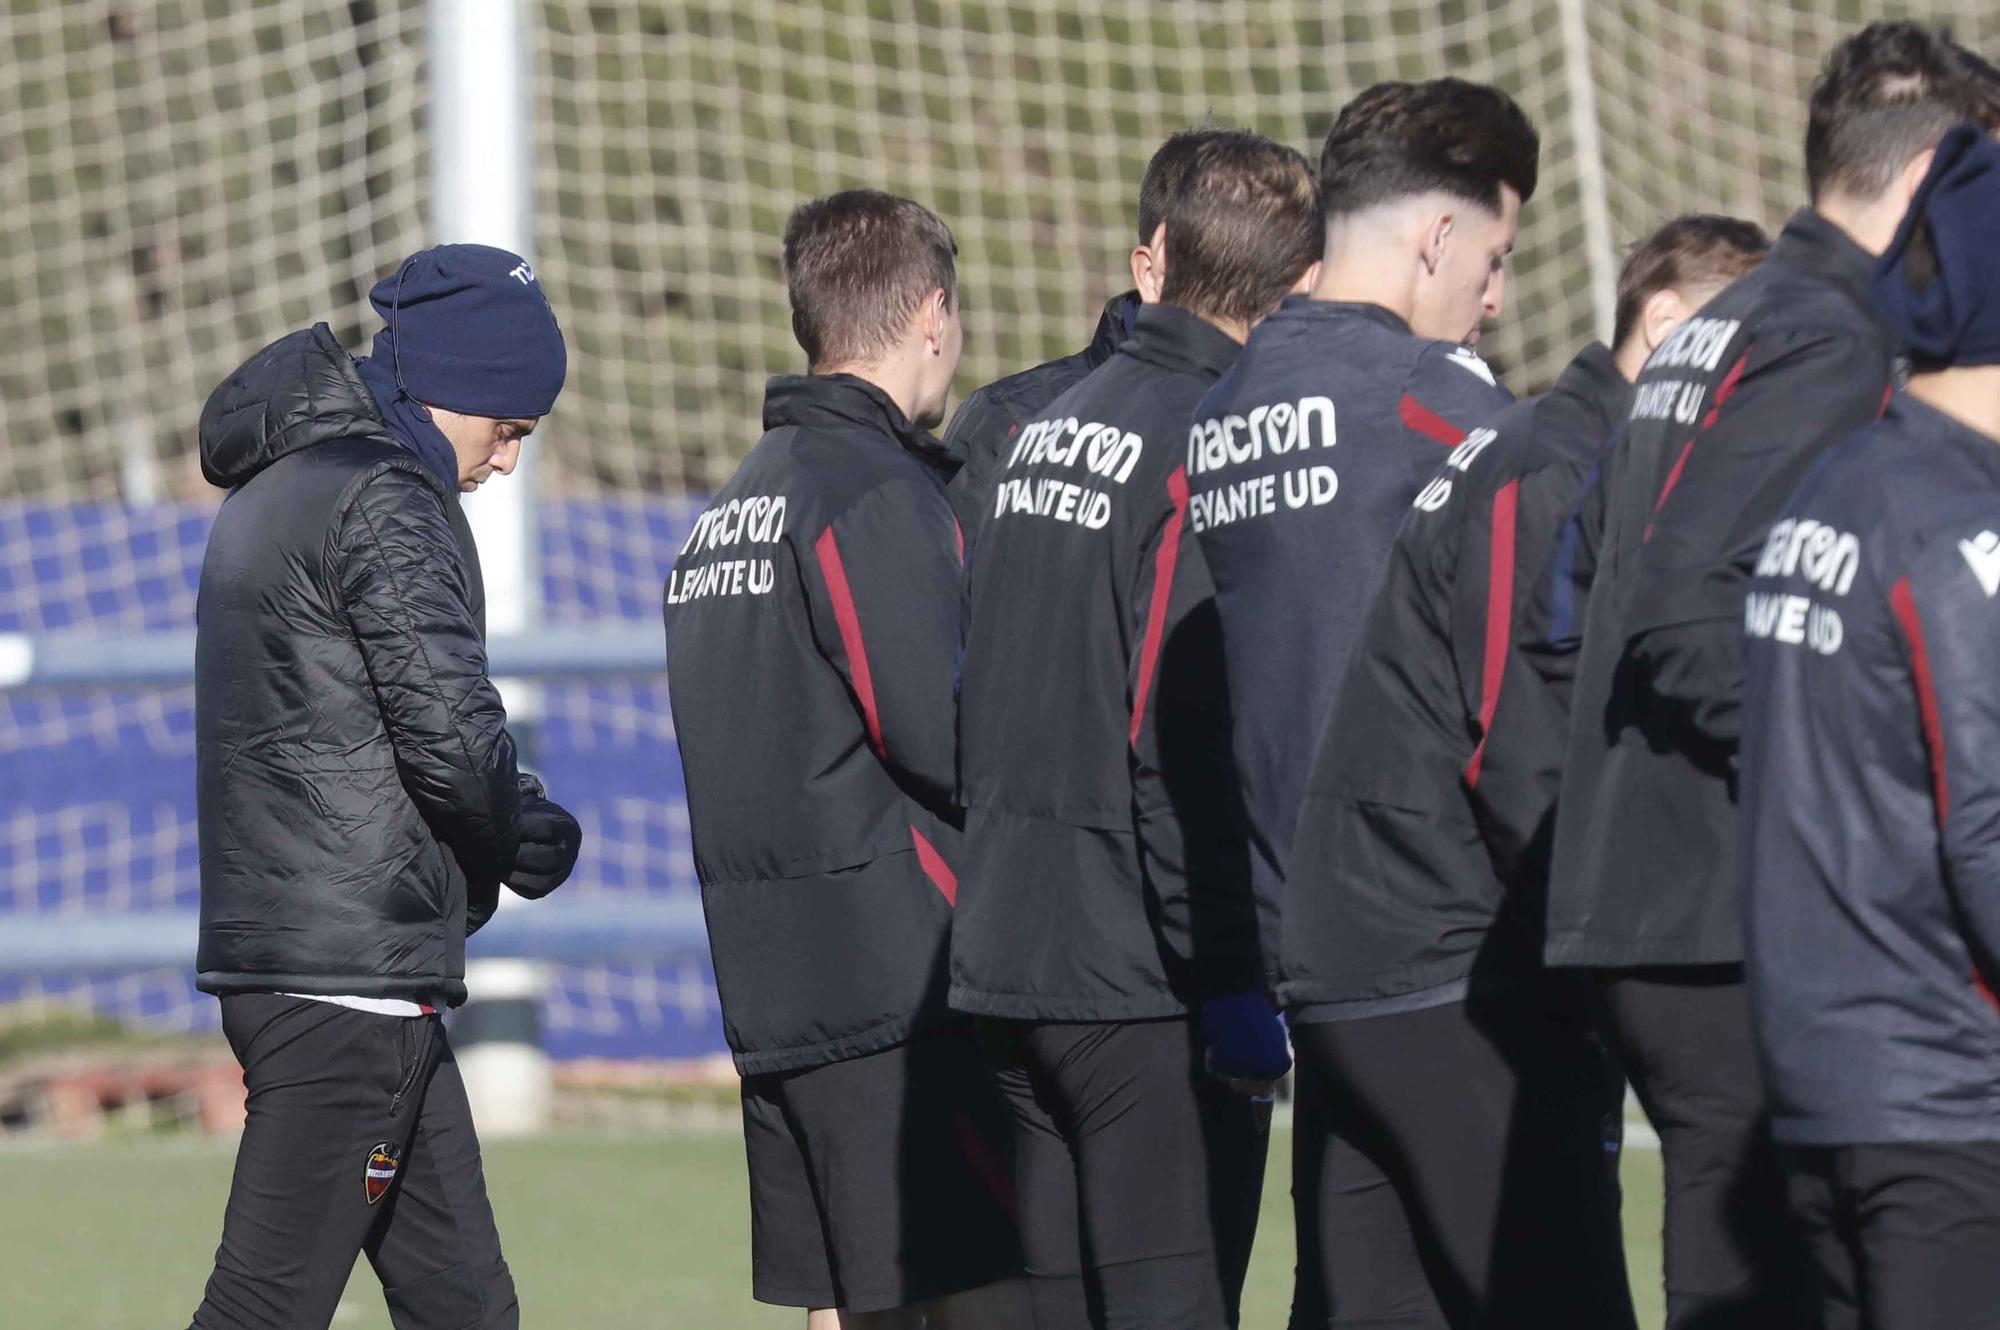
(468,329)
(1955,318)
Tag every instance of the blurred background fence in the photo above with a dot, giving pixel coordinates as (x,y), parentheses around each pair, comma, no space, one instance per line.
(183,180)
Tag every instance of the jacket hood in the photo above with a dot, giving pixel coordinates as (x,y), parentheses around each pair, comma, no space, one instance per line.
(299,391)
(1114,325)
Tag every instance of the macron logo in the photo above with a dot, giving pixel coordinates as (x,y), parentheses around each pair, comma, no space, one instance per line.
(522,273)
(1468,359)
(1982,552)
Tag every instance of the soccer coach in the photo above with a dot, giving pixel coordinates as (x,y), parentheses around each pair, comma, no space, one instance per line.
(359,801)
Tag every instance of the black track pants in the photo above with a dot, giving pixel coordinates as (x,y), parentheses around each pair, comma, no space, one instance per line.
(1109,1163)
(1905,1237)
(1734,1259)
(1452,1170)
(359,1140)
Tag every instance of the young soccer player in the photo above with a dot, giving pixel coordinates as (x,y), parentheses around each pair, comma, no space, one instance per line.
(1103,899)
(1235,1126)
(359,800)
(1414,892)
(1726,417)
(812,639)
(1869,792)
(1422,186)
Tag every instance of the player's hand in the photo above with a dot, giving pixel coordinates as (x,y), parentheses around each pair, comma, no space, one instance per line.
(1247,1050)
(550,840)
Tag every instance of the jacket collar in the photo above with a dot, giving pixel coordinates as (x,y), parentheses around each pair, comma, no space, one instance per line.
(1114,325)
(1593,379)
(1171,337)
(844,401)
(1305,307)
(1811,244)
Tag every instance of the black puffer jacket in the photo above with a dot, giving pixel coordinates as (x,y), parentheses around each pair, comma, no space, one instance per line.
(353,763)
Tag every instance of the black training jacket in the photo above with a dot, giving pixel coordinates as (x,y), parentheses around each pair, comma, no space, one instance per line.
(812,633)
(1307,455)
(1422,847)
(1871,797)
(353,765)
(1103,879)
(1729,413)
(989,417)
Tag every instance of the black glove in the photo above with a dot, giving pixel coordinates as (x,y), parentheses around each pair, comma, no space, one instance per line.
(550,839)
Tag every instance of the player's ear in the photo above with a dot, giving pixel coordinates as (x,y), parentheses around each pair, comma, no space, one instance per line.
(1149,265)
(936,321)
(1664,311)
(1437,232)
(1307,279)
(1912,177)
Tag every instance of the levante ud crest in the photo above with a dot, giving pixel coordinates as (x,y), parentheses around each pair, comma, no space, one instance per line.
(383,1161)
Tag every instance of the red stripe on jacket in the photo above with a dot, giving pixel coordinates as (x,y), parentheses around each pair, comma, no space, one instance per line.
(835,573)
(1723,392)
(1726,389)
(1499,616)
(1425,421)
(1903,603)
(935,868)
(1163,587)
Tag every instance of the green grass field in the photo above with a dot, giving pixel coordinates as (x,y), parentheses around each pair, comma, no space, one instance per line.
(607,1232)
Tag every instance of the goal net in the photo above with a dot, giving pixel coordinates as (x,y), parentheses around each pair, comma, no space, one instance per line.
(184,180)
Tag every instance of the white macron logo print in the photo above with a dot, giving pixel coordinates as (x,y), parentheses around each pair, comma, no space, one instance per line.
(1468,359)
(521,273)
(1982,552)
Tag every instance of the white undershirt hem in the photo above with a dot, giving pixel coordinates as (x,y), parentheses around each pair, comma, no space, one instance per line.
(378,1006)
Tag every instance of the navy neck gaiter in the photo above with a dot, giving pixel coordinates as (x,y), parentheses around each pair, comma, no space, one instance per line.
(408,420)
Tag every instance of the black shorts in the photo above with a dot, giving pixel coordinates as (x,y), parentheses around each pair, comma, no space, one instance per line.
(882,1180)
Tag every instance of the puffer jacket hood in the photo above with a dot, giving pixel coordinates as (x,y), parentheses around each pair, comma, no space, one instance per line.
(299,391)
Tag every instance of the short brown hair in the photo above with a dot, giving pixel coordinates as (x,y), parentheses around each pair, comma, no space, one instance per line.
(1886,94)
(1694,249)
(1397,140)
(1243,224)
(856,265)
(1161,173)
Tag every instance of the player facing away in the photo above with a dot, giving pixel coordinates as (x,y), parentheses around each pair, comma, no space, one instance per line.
(1869,728)
(812,640)
(1869,799)
(1305,456)
(1235,1126)
(1472,1081)
(1344,403)
(1104,899)
(1726,417)
(358,796)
